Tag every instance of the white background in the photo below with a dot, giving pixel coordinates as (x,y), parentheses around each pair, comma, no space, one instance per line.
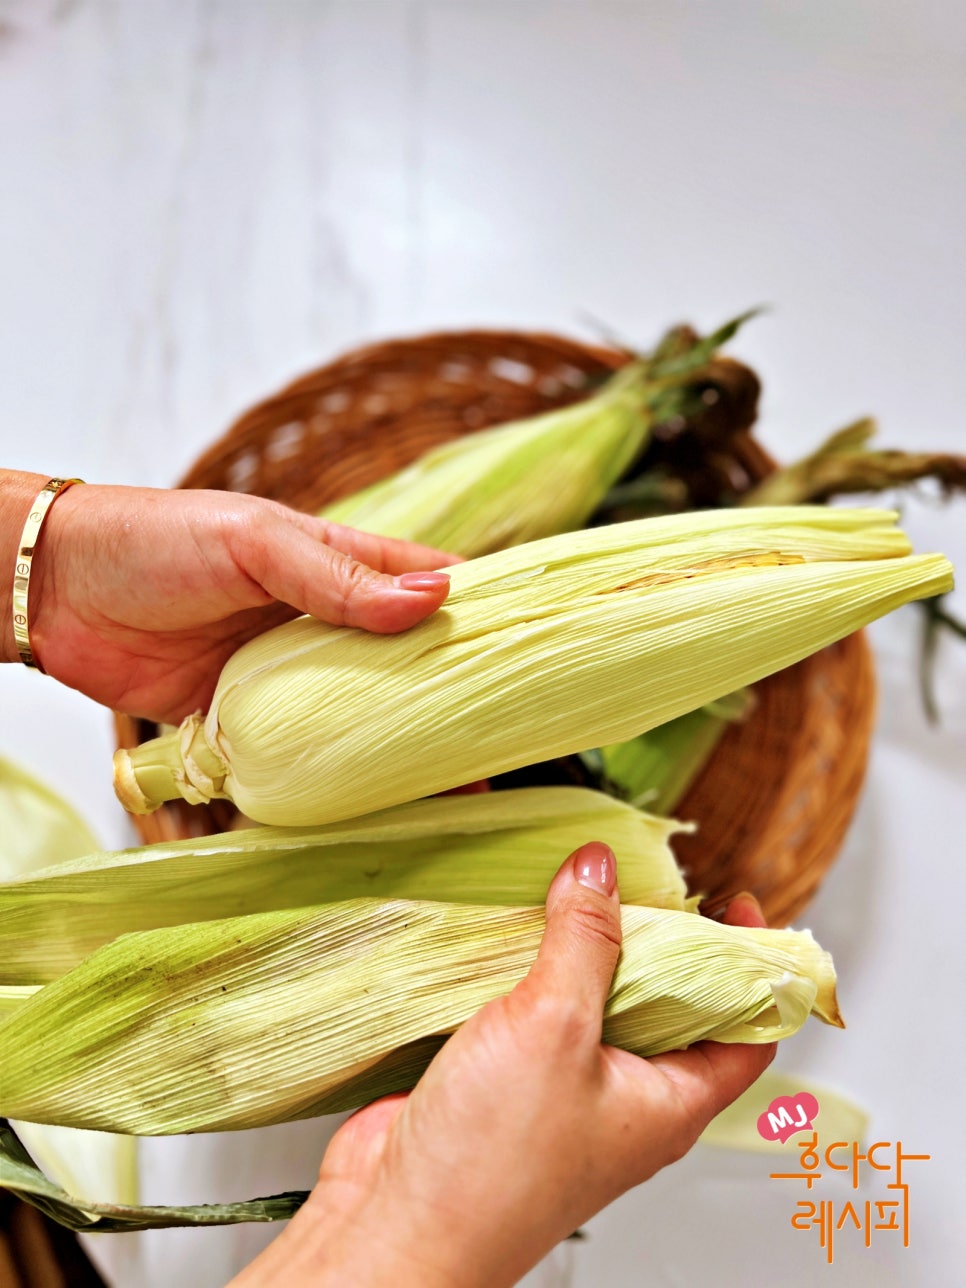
(199,200)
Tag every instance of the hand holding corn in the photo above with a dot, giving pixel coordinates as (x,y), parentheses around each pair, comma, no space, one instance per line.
(139,596)
(523,1127)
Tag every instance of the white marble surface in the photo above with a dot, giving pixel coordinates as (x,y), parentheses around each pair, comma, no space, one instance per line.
(199,199)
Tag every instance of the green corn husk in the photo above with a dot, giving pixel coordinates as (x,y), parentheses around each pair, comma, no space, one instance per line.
(285,1015)
(655,770)
(494,848)
(489,490)
(540,651)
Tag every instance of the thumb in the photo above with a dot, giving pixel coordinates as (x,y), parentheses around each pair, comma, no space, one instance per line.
(294,566)
(582,940)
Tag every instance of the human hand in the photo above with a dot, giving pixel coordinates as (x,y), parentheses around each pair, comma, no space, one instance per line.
(523,1127)
(138,596)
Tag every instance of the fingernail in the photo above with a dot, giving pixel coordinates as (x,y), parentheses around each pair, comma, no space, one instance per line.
(732,907)
(748,898)
(422,580)
(596,868)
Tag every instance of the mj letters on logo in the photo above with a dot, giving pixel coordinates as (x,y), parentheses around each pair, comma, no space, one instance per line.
(788,1114)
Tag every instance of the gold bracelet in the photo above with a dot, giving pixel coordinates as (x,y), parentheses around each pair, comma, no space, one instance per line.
(21,580)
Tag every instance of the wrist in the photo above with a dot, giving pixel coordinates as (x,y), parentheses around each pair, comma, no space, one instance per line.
(18,490)
(390,1234)
(377,1238)
(344,1238)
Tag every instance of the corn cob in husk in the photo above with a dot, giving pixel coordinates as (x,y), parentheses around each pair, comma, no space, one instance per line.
(284,1015)
(489,490)
(540,651)
(496,848)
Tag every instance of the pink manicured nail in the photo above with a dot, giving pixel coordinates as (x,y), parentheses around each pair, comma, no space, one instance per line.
(422,580)
(596,868)
(743,905)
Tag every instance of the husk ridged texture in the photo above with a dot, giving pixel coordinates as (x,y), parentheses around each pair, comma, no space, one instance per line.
(289,1014)
(540,651)
(488,490)
(494,848)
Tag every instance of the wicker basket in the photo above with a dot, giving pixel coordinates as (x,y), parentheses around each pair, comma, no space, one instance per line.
(774,802)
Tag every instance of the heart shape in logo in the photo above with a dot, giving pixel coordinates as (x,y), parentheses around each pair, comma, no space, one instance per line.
(788,1114)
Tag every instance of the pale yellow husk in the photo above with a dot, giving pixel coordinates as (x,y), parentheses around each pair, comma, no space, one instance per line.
(488,490)
(543,650)
(100,1166)
(284,1015)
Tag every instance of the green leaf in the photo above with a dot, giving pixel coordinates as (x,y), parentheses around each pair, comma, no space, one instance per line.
(678,364)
